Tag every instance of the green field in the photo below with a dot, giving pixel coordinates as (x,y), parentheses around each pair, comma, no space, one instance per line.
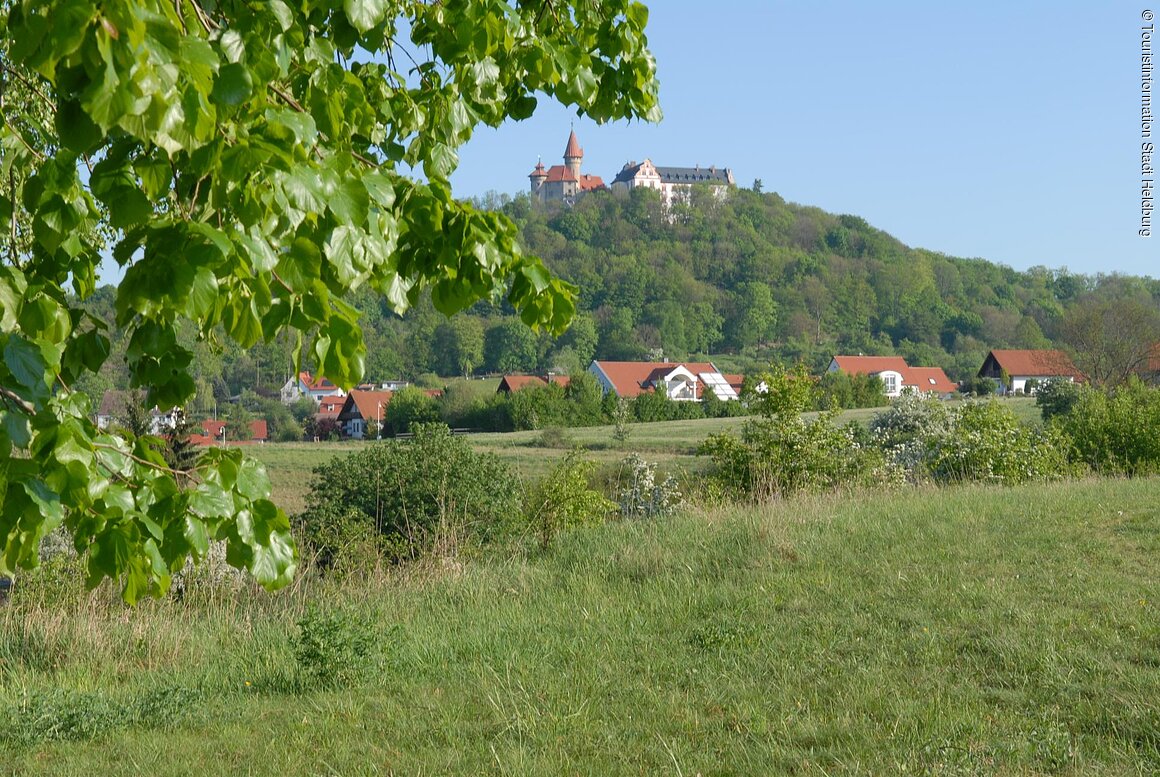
(671,444)
(970,630)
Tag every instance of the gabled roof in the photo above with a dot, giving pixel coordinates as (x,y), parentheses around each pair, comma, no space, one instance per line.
(510,383)
(213,428)
(928,379)
(634,378)
(630,171)
(1036,364)
(365,405)
(573,150)
(870,365)
(539,172)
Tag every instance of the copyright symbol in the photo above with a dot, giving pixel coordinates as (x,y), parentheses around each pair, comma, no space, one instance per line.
(1147,16)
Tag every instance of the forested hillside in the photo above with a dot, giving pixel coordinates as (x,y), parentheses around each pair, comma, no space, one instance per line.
(744,279)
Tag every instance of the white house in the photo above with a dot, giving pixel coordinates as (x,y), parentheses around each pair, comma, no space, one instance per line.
(305,385)
(679,381)
(896,375)
(1021,366)
(113,410)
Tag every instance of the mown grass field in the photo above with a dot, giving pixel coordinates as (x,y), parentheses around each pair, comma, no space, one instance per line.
(971,630)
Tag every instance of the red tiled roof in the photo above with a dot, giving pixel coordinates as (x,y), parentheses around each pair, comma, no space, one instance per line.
(315,384)
(1037,364)
(1153,363)
(590,182)
(870,365)
(573,149)
(259,431)
(736,381)
(557,173)
(538,172)
(213,428)
(330,407)
(510,383)
(365,405)
(928,379)
(629,377)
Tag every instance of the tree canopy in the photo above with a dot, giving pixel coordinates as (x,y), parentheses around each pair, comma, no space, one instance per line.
(248,166)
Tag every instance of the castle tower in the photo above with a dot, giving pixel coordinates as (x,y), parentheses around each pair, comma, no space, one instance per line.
(537,177)
(573,155)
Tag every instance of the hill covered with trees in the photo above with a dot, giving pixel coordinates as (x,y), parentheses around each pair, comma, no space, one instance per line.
(745,279)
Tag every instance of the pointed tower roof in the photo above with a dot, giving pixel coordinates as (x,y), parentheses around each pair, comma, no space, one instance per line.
(573,151)
(539,172)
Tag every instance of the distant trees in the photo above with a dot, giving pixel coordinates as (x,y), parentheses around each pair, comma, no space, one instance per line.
(1111,338)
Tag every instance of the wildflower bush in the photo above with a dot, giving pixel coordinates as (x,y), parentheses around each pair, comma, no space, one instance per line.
(641,496)
(411,495)
(1056,397)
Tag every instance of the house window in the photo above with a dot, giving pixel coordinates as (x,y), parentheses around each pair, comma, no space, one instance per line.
(890,382)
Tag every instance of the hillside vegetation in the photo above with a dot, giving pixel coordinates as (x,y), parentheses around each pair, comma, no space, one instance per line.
(955,631)
(747,279)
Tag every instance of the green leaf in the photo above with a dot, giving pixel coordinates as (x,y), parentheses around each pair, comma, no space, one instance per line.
(233,85)
(26,363)
(365,14)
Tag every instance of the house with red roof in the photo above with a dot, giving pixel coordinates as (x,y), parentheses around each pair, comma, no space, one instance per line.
(564,183)
(214,433)
(510,383)
(679,381)
(360,409)
(896,375)
(1020,366)
(306,385)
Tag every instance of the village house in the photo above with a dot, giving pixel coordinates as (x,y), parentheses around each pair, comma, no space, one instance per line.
(213,432)
(305,385)
(896,375)
(361,409)
(1012,370)
(679,381)
(114,410)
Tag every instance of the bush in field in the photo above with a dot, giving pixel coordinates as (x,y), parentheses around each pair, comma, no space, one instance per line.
(986,442)
(979,386)
(1115,433)
(907,429)
(780,453)
(411,495)
(641,496)
(656,406)
(972,441)
(1056,397)
(565,498)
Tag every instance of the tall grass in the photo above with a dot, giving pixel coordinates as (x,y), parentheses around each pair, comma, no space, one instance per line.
(961,631)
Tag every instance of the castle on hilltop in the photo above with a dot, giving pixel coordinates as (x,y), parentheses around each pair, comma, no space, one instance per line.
(564,183)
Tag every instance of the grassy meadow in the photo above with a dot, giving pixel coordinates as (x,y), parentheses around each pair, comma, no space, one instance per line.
(670,444)
(968,630)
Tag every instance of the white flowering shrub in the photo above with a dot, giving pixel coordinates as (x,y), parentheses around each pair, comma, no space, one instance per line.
(641,495)
(976,441)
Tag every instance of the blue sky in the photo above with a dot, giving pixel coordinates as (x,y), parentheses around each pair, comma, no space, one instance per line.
(1007,131)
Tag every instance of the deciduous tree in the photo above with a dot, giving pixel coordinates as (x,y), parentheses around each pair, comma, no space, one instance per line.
(245,161)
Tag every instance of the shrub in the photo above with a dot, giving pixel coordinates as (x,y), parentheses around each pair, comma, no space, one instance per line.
(1056,397)
(564,499)
(334,648)
(986,442)
(408,407)
(412,493)
(640,496)
(1115,433)
(780,453)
